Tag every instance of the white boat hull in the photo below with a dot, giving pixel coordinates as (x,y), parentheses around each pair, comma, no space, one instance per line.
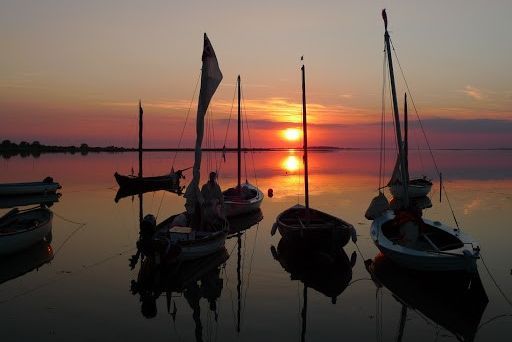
(241,207)
(200,250)
(458,259)
(414,190)
(12,242)
(188,243)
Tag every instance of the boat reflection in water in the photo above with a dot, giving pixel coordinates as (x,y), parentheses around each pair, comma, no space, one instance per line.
(328,272)
(195,279)
(19,264)
(239,224)
(453,300)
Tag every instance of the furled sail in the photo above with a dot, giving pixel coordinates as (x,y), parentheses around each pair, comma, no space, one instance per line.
(211,77)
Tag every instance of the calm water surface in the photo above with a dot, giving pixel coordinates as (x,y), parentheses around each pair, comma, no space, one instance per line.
(84,292)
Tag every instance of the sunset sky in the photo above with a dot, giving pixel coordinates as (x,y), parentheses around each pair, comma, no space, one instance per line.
(73,71)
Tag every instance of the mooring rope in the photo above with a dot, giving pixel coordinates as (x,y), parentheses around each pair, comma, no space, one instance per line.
(495,282)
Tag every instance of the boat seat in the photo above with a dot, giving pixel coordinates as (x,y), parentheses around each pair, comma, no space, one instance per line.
(179,233)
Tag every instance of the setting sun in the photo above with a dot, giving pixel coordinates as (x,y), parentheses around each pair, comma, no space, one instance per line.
(291,134)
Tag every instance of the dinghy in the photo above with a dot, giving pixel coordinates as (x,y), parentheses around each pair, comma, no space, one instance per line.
(22,229)
(30,188)
(304,223)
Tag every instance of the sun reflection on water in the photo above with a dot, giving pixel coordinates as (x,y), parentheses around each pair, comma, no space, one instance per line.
(291,163)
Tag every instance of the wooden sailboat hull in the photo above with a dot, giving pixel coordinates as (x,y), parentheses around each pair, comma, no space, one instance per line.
(322,228)
(424,256)
(15,189)
(169,181)
(417,188)
(235,205)
(22,230)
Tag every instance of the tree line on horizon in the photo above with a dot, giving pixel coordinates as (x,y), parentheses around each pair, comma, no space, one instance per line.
(35,149)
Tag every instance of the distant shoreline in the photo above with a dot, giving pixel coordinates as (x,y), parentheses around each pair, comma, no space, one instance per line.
(35,149)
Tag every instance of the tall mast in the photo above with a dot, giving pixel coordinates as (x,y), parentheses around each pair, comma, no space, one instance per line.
(239,139)
(403,166)
(406,137)
(140,138)
(305,135)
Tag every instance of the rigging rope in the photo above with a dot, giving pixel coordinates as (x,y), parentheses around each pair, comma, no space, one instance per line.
(186,120)
(250,141)
(227,129)
(424,135)
(495,282)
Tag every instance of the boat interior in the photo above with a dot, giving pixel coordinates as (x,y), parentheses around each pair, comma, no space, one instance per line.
(426,237)
(232,194)
(317,219)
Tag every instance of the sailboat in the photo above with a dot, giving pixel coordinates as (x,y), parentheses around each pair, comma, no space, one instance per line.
(243,198)
(304,223)
(130,185)
(192,234)
(417,187)
(407,238)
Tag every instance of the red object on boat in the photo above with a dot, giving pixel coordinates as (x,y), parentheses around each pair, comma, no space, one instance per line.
(270,193)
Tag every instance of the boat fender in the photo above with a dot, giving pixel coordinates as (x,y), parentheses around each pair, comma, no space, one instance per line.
(48,180)
(467,253)
(353,259)
(353,234)
(274,229)
(148,224)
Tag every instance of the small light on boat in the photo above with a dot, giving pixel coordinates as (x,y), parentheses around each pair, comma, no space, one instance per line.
(270,193)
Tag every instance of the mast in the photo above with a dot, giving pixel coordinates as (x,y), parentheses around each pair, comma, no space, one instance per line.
(239,281)
(239,148)
(140,139)
(305,136)
(304,314)
(406,138)
(211,77)
(403,165)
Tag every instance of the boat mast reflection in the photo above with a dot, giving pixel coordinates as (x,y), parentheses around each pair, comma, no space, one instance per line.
(327,271)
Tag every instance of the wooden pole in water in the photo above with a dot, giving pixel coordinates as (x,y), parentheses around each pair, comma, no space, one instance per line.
(305,136)
(140,139)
